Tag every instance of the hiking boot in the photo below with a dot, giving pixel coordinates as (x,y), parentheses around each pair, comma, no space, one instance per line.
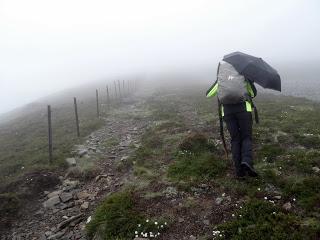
(249,169)
(241,173)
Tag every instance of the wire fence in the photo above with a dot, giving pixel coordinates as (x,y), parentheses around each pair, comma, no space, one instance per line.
(108,97)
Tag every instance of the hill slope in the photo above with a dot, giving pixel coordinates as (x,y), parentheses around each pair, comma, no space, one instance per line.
(162,170)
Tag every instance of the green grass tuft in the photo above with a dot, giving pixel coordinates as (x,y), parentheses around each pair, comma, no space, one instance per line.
(196,167)
(115,218)
(262,220)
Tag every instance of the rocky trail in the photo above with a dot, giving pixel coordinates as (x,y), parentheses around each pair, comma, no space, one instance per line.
(63,212)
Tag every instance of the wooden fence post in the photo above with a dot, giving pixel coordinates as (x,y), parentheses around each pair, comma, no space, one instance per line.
(76,113)
(50,134)
(123,90)
(119,88)
(97,98)
(108,97)
(128,87)
(115,90)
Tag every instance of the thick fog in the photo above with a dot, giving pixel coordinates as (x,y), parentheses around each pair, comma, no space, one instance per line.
(47,46)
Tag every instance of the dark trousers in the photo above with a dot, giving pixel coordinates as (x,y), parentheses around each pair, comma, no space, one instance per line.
(240,128)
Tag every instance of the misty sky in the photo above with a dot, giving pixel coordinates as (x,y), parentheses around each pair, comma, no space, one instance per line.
(47,46)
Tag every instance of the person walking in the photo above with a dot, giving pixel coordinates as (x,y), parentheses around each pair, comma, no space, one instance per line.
(235,94)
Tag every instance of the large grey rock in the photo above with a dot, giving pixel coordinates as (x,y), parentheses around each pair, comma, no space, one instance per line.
(70,184)
(287,206)
(206,222)
(55,193)
(84,205)
(51,202)
(316,169)
(65,197)
(219,200)
(83,195)
(71,162)
(82,152)
(170,192)
(56,236)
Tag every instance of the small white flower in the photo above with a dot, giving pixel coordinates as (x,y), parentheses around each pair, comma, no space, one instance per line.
(88,220)
(294,199)
(161,226)
(147,220)
(156,223)
(259,189)
(265,198)
(220,235)
(136,232)
(233,215)
(240,215)
(223,194)
(274,213)
(139,225)
(165,223)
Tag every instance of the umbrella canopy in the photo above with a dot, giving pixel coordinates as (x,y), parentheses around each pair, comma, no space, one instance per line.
(255,69)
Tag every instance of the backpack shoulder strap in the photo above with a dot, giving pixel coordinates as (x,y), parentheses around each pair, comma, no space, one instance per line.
(221,129)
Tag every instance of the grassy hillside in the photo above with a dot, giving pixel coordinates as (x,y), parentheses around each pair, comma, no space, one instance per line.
(183,180)
(24,134)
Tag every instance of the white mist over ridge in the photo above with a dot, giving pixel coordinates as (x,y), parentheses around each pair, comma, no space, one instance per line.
(47,47)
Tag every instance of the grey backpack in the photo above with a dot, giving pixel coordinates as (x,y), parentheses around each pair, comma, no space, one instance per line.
(232,85)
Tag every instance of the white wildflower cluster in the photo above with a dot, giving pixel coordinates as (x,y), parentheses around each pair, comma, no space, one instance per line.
(89,219)
(271,201)
(185,153)
(217,234)
(151,234)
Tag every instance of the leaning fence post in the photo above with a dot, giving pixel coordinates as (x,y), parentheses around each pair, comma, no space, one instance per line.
(50,133)
(76,113)
(97,98)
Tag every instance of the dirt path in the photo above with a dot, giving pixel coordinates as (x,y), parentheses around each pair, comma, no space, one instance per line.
(62,214)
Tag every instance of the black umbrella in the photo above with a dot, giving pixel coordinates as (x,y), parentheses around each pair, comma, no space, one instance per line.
(254,69)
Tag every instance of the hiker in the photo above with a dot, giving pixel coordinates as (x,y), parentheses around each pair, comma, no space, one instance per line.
(235,94)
